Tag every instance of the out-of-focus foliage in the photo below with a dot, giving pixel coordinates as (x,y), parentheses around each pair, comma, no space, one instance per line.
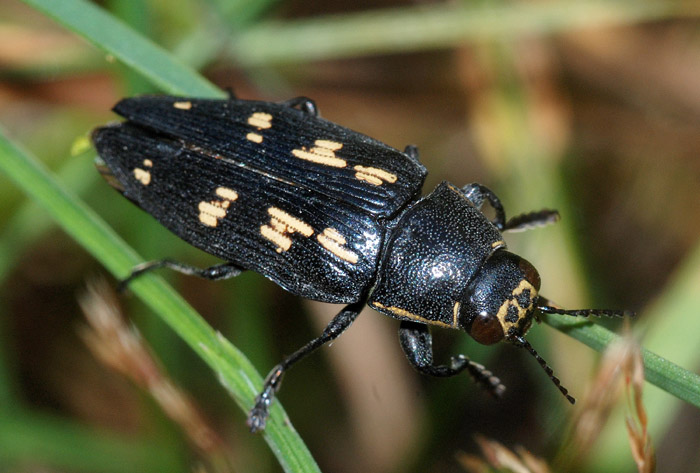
(592,108)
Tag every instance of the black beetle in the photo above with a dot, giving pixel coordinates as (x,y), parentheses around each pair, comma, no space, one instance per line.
(331,215)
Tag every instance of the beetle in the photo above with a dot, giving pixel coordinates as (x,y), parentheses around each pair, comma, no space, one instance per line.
(332,215)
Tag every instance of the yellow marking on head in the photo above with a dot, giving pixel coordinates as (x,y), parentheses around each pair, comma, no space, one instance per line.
(513,301)
(260,120)
(211,212)
(148,163)
(226,193)
(183,105)
(374,176)
(404,314)
(455,313)
(143,176)
(333,241)
(254,137)
(281,225)
(498,244)
(322,153)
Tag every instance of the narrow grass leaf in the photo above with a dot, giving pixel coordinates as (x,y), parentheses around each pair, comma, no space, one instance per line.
(234,370)
(435,26)
(116,38)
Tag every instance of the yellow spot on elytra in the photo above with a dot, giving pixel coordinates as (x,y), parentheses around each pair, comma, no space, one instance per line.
(254,137)
(293,223)
(281,226)
(226,193)
(183,105)
(322,153)
(143,176)
(334,242)
(211,212)
(283,242)
(374,176)
(260,120)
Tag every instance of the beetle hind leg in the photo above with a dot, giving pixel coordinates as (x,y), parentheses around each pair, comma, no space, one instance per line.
(304,104)
(412,152)
(257,417)
(417,344)
(213,273)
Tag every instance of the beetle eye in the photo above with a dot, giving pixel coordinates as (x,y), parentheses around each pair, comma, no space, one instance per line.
(486,329)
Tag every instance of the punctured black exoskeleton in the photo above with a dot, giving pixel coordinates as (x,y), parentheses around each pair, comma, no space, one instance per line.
(331,215)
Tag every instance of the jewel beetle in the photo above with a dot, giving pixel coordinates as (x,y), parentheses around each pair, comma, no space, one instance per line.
(328,214)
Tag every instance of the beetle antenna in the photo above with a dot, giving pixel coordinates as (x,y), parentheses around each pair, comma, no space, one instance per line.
(544,306)
(520,341)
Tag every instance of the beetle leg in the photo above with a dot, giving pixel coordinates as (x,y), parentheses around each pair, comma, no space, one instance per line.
(257,417)
(304,104)
(214,273)
(531,220)
(417,344)
(412,152)
(478,193)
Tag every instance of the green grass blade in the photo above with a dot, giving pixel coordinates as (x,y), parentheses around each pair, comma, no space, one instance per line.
(673,330)
(234,371)
(668,376)
(434,26)
(108,33)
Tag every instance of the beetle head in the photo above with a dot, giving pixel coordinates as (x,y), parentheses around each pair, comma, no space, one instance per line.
(500,301)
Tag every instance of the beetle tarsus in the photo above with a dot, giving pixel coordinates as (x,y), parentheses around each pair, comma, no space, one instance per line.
(417,344)
(530,220)
(257,417)
(259,413)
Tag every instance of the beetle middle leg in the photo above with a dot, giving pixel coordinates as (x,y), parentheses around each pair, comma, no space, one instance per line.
(417,344)
(257,417)
(213,273)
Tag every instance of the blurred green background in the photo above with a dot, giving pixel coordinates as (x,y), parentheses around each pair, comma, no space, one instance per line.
(589,108)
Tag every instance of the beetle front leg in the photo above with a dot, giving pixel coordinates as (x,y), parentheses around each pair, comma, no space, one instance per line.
(261,410)
(530,220)
(417,344)
(478,194)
